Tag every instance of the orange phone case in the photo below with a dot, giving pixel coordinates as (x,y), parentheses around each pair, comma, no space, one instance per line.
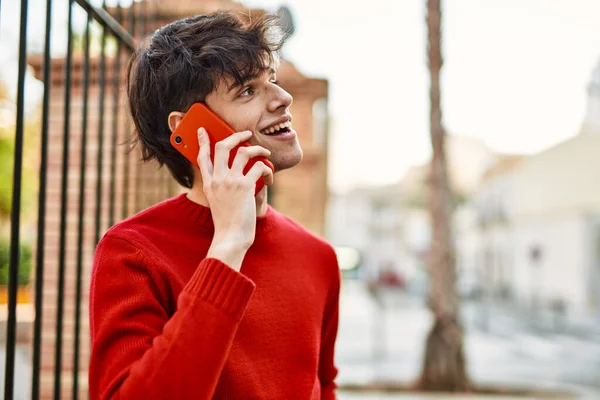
(185,138)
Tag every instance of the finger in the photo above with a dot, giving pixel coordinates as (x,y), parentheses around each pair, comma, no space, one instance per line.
(244,154)
(206,166)
(260,170)
(223,150)
(268,177)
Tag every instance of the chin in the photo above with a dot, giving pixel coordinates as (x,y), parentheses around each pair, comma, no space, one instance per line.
(287,161)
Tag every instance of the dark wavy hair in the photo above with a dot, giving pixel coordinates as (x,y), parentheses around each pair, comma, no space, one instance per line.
(181,63)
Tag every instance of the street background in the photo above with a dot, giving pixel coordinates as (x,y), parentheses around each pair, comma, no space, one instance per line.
(520,101)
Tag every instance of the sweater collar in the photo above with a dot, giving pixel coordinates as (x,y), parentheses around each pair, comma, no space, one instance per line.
(201,215)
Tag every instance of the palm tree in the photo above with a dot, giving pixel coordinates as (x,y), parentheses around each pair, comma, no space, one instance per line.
(444,363)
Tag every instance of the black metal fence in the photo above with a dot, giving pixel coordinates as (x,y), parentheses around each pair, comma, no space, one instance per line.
(100,146)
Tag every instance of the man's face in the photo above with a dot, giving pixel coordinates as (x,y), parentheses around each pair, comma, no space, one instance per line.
(261,106)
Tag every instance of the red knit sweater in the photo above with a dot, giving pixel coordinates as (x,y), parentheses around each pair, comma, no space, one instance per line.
(168,323)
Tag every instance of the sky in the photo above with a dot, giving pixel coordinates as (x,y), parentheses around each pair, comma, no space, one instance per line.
(515,74)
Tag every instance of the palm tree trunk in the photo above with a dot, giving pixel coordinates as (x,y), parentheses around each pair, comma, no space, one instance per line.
(443,364)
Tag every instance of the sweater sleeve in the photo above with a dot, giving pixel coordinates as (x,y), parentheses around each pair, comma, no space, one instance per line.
(138,350)
(327,369)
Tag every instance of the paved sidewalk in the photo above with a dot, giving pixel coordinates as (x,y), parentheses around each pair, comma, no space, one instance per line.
(388,345)
(415,396)
(507,317)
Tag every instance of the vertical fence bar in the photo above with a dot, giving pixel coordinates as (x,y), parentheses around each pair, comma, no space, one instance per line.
(39,273)
(86,87)
(126,167)
(15,222)
(101,86)
(63,209)
(115,122)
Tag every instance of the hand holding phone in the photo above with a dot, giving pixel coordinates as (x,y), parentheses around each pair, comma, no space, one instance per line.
(185,139)
(232,173)
(230,195)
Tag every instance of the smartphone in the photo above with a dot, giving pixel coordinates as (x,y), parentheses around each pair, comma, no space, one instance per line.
(185,138)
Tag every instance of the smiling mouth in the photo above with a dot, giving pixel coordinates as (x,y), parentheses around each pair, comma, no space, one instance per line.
(277,129)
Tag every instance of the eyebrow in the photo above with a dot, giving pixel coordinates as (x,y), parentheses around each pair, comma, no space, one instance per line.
(235,84)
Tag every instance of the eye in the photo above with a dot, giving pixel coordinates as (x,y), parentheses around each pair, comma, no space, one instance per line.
(249,91)
(275,82)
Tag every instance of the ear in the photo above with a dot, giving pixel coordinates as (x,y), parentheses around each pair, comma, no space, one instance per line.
(174,119)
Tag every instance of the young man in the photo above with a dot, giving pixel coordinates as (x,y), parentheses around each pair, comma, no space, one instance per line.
(213,294)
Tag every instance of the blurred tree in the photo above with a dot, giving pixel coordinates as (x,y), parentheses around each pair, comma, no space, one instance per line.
(25,263)
(30,161)
(29,187)
(444,363)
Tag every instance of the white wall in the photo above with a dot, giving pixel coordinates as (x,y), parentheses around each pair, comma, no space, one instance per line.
(561,179)
(563,266)
(347,220)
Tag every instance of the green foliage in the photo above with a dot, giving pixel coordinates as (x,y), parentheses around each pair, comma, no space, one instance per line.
(25,263)
(6,160)
(29,178)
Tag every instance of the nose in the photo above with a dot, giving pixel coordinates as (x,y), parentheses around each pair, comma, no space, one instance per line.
(280,98)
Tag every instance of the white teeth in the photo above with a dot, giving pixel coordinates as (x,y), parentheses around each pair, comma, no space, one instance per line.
(277,127)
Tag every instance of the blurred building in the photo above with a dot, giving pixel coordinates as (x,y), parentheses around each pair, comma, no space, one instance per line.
(389,225)
(368,219)
(484,229)
(539,223)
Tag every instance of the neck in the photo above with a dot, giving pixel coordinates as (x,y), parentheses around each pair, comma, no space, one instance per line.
(197,195)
